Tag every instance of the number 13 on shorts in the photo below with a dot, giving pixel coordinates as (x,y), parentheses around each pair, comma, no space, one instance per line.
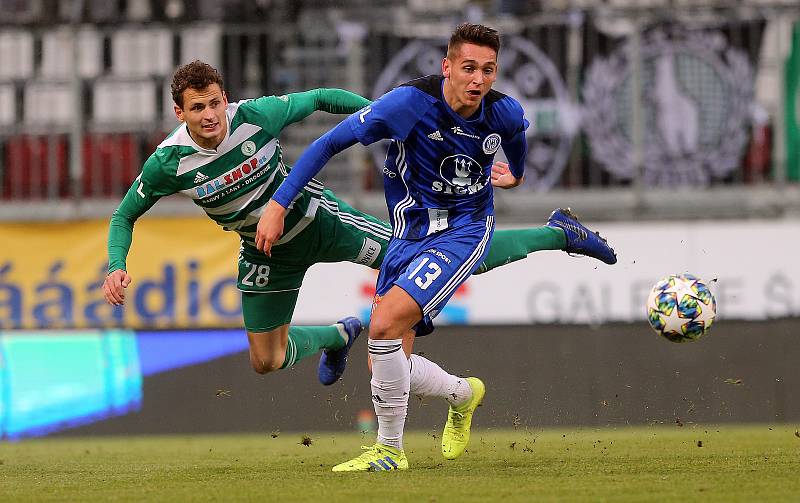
(425,275)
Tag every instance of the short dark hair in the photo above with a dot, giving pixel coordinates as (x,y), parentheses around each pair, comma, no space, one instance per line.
(194,75)
(477,34)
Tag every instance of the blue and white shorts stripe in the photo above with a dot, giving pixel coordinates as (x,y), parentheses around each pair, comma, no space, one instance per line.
(431,269)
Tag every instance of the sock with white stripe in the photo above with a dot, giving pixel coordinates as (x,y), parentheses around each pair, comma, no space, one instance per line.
(308,341)
(429,380)
(390,384)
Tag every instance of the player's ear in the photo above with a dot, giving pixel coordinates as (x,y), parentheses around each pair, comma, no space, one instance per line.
(225,98)
(178,112)
(446,67)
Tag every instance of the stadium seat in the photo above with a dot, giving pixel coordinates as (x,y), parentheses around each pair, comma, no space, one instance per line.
(47,104)
(104,11)
(111,162)
(138,10)
(16,12)
(203,42)
(124,104)
(8,116)
(429,6)
(140,52)
(57,58)
(35,167)
(16,53)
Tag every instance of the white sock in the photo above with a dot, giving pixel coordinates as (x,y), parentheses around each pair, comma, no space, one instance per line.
(390,384)
(429,379)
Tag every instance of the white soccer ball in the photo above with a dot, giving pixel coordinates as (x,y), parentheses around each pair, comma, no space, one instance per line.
(681,308)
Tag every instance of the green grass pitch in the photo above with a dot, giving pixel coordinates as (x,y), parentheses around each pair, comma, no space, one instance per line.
(657,463)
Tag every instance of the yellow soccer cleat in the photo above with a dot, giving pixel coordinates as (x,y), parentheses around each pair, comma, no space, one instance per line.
(456,431)
(378,458)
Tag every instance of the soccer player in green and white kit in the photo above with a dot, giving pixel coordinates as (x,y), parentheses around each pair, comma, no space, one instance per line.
(227,158)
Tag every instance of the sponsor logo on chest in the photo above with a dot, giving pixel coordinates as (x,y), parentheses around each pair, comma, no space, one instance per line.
(460,132)
(461,174)
(243,173)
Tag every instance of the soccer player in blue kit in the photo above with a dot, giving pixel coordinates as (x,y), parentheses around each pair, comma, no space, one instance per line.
(438,179)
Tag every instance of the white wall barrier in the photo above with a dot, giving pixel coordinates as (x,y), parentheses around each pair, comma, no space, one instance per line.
(752,267)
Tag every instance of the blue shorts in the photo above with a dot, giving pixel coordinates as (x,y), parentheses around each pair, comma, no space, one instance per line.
(431,269)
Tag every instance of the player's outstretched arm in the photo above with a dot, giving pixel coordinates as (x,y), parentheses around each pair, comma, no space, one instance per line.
(120,237)
(139,198)
(335,101)
(339,101)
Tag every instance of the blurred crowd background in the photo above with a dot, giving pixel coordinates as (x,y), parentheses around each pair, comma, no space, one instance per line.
(640,108)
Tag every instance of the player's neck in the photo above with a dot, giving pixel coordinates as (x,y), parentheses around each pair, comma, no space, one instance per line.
(209,143)
(206,144)
(456,105)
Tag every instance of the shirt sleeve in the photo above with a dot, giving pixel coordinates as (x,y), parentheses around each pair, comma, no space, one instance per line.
(280,111)
(515,144)
(148,188)
(391,117)
(516,149)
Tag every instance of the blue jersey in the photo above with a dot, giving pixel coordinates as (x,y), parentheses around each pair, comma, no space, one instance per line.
(438,168)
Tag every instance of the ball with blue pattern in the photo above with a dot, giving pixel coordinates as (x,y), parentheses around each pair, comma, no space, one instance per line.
(681,308)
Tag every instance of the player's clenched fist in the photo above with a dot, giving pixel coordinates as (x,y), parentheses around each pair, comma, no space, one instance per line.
(114,287)
(270,226)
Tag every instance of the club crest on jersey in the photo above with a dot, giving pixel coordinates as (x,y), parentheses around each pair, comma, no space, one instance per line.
(249,147)
(462,174)
(491,143)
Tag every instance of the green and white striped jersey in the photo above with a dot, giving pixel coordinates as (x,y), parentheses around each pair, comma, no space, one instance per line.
(234,182)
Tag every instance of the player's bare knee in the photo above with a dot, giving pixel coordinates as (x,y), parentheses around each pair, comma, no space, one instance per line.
(258,365)
(377,330)
(383,329)
(263,367)
(264,364)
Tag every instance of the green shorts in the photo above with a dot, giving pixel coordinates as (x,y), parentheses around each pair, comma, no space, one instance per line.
(338,232)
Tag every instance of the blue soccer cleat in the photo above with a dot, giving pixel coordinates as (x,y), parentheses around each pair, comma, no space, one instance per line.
(332,363)
(580,240)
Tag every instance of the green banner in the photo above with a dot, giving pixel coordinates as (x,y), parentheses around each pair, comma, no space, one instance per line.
(791,111)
